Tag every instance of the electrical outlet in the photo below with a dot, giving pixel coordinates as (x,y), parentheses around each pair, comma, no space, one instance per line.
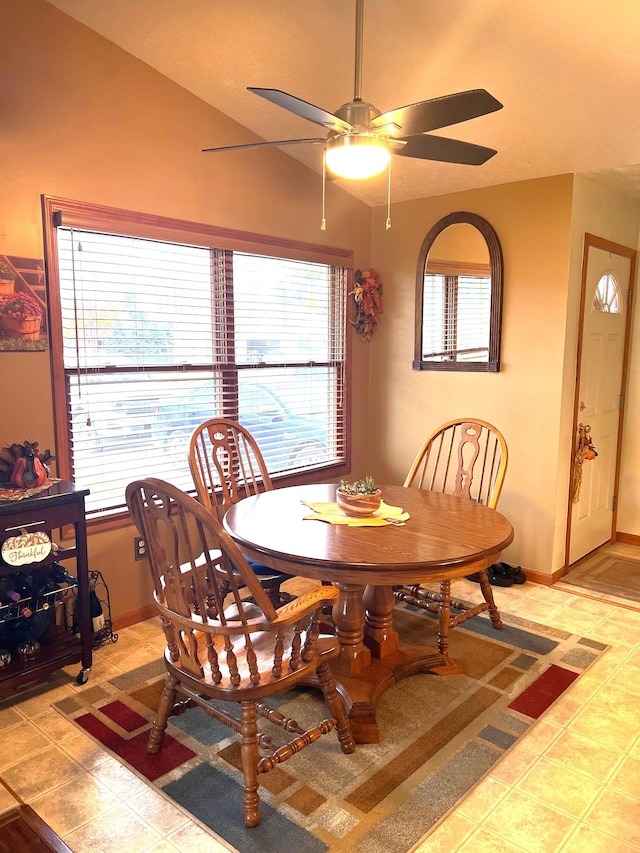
(140,548)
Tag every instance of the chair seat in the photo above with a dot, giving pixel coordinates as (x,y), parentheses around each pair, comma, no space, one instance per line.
(327,648)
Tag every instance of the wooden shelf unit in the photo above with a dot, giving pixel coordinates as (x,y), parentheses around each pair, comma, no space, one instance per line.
(57,508)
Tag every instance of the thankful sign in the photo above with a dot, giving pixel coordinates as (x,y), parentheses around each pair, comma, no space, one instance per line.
(27,548)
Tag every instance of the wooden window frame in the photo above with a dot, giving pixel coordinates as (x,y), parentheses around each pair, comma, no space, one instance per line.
(83,215)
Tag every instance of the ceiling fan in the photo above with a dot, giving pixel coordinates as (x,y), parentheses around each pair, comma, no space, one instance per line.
(361,138)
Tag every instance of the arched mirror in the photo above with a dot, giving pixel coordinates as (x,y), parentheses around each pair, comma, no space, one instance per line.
(459,296)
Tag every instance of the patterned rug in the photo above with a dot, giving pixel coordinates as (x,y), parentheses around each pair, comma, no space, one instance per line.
(608,574)
(439,737)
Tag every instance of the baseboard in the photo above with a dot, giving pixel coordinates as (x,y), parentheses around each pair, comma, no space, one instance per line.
(627,538)
(542,578)
(124,620)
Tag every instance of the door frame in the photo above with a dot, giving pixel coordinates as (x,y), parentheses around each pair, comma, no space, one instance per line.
(591,241)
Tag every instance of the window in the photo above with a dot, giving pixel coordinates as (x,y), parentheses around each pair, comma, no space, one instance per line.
(459,296)
(607,296)
(160,324)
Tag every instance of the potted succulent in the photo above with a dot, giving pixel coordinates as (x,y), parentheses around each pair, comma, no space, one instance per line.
(360,498)
(7,277)
(20,315)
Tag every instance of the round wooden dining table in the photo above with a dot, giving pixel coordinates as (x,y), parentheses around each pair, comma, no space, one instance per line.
(445,537)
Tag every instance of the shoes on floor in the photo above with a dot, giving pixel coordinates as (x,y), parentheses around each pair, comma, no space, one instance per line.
(501,574)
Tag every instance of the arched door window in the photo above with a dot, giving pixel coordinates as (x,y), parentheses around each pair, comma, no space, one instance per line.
(607,296)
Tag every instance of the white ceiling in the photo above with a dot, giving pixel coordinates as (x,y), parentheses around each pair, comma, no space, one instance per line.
(567,72)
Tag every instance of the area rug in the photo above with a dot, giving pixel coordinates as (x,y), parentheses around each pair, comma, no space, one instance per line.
(439,737)
(608,574)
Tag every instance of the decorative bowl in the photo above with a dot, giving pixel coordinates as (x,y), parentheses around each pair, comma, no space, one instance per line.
(360,505)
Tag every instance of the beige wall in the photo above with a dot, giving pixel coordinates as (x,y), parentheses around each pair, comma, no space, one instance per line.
(83,120)
(541,226)
(532,220)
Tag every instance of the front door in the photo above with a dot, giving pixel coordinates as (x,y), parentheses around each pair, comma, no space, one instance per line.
(606,282)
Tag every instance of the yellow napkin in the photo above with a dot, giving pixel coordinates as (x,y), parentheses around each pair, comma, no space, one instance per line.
(331,513)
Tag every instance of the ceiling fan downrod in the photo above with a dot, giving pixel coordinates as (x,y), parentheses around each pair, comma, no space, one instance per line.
(357,77)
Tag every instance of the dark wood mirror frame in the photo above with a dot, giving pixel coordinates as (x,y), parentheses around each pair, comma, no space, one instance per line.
(497,277)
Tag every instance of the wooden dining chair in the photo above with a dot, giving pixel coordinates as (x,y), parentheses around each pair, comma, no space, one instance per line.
(226,465)
(466,458)
(224,651)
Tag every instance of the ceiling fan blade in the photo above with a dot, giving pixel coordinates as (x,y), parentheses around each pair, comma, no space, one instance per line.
(303,109)
(264,144)
(445,150)
(438,112)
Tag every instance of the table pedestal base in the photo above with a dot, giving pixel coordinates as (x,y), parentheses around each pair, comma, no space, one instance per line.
(362,693)
(372,658)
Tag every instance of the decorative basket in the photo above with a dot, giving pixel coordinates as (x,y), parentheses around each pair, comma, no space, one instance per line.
(26,328)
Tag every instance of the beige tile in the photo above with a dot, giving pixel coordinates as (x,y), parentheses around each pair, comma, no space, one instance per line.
(588,840)
(627,777)
(627,678)
(588,605)
(616,814)
(513,765)
(483,841)
(482,799)
(158,811)
(40,773)
(84,750)
(133,658)
(617,630)
(115,831)
(559,787)
(10,716)
(620,702)
(119,779)
(20,742)
(541,736)
(608,729)
(163,846)
(149,631)
(564,710)
(190,838)
(72,805)
(576,622)
(39,699)
(447,836)
(584,755)
(528,823)
(55,726)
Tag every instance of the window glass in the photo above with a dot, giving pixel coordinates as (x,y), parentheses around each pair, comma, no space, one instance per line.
(158,336)
(607,296)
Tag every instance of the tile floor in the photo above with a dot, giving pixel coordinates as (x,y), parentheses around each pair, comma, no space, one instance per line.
(572,785)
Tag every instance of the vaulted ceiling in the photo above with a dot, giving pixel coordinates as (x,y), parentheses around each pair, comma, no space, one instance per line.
(567,73)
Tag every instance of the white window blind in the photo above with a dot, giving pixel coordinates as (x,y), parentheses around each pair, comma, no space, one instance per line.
(159,336)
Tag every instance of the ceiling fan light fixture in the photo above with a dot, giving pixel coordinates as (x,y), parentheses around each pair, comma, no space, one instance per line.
(357,157)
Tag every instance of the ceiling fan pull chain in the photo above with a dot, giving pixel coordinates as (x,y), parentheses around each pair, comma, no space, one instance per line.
(323,223)
(388,224)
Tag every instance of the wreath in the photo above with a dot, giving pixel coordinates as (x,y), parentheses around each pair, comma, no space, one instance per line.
(367,293)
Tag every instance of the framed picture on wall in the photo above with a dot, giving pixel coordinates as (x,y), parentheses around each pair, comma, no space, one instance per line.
(23,307)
